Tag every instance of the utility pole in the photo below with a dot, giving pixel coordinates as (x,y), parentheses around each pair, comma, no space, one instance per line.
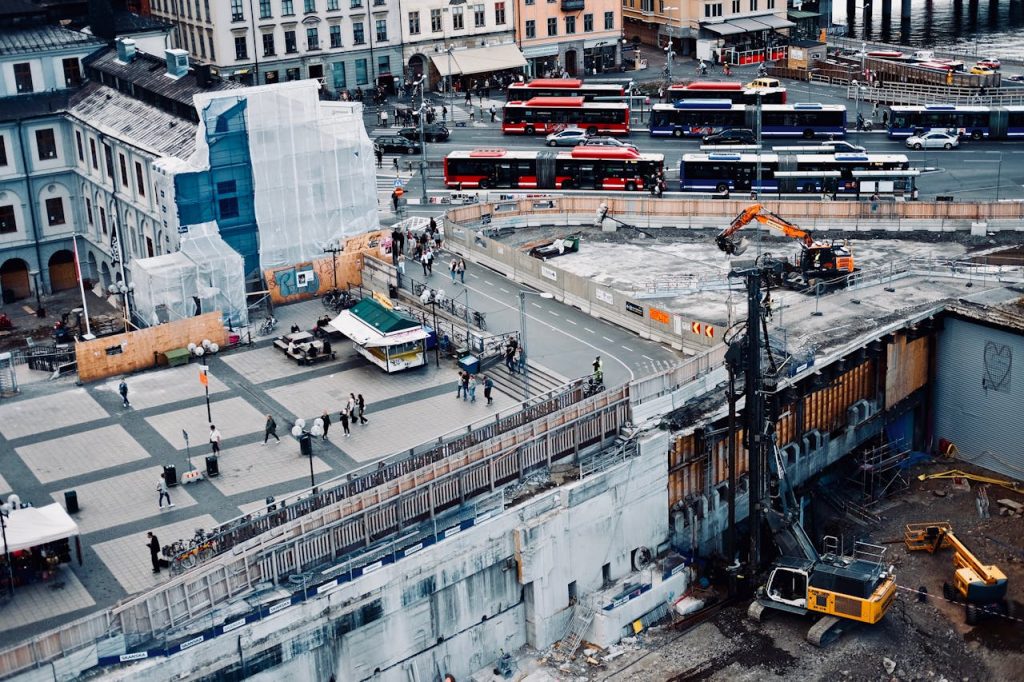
(423,140)
(334,251)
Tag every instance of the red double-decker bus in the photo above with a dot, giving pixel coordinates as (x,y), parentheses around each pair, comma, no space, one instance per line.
(600,168)
(562,87)
(550,114)
(734,92)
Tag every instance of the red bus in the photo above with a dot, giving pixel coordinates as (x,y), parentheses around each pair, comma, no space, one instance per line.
(550,114)
(562,87)
(721,90)
(600,168)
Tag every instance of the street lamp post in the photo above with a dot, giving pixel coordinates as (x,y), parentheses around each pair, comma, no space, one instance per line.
(522,332)
(124,290)
(423,139)
(5,510)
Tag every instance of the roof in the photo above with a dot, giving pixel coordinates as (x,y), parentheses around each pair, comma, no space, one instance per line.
(38,104)
(44,39)
(129,119)
(148,72)
(129,22)
(1007,315)
(380,318)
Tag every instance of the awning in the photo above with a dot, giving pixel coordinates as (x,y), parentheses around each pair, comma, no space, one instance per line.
(724,28)
(395,339)
(749,25)
(34,526)
(540,51)
(802,14)
(487,59)
(441,62)
(351,326)
(773,21)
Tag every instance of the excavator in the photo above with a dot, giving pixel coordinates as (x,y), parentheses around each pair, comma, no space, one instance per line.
(981,586)
(819,261)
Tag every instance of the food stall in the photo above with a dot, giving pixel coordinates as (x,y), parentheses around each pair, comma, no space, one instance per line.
(389,339)
(38,541)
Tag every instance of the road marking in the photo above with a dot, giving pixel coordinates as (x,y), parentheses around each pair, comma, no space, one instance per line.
(535,305)
(488,282)
(554,313)
(589,329)
(608,340)
(628,349)
(649,358)
(569,321)
(472,275)
(503,289)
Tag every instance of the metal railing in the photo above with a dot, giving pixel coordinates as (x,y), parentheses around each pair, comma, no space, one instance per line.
(915,93)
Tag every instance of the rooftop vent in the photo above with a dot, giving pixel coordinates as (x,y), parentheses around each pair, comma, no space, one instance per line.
(177,62)
(125,49)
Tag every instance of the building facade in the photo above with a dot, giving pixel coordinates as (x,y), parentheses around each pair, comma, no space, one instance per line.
(345,44)
(580,37)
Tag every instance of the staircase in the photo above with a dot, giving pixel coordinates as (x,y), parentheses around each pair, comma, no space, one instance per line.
(542,379)
(582,615)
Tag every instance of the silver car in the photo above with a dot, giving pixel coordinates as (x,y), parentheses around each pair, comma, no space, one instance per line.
(570,137)
(607,142)
(933,140)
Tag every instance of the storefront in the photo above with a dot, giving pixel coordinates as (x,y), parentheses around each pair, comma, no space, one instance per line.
(496,63)
(387,338)
(749,40)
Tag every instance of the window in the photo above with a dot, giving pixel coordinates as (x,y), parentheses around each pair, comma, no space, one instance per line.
(140,181)
(188,8)
(735,6)
(78,145)
(228,207)
(88,211)
(552,26)
(291,74)
(241,50)
(383,65)
(499,13)
(753,5)
(268,44)
(124,170)
(270,77)
(23,77)
(202,45)
(72,72)
(103,220)
(479,18)
(312,39)
(333,5)
(265,12)
(529,2)
(609,21)
(457,19)
(339,76)
(206,3)
(361,78)
(382,30)
(335,33)
(108,157)
(570,25)
(531,28)
(287,8)
(309,6)
(435,20)
(357,33)
(236,11)
(588,23)
(712,10)
(55,211)
(770,4)
(92,153)
(7,222)
(356,4)
(647,5)
(209,38)
(46,144)
(414,23)
(289,42)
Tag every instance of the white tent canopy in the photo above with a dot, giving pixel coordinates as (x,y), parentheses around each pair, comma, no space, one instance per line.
(34,526)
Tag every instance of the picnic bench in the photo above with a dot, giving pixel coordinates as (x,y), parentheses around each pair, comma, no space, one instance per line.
(298,347)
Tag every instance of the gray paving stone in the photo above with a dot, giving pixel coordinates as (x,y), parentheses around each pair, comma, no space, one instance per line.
(253,466)
(43,601)
(49,412)
(169,385)
(234,417)
(269,363)
(61,458)
(5,487)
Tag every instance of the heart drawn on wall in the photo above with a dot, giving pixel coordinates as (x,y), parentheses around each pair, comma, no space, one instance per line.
(998,359)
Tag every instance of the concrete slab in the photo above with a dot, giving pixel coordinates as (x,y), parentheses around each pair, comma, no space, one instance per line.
(62,594)
(127,557)
(5,487)
(50,412)
(51,460)
(254,466)
(122,499)
(234,417)
(269,363)
(169,385)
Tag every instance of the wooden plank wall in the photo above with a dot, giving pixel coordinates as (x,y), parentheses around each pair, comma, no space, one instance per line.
(906,368)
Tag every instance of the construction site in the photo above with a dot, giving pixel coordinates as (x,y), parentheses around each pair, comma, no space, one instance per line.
(828,485)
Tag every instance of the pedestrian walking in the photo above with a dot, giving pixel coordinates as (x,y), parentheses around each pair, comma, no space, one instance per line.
(327,424)
(494,113)
(401,263)
(452,268)
(472,113)
(343,418)
(458,385)
(161,489)
(395,196)
(465,386)
(510,356)
(444,113)
(469,99)
(430,262)
(270,429)
(520,360)
(384,118)
(460,268)
(379,153)
(488,385)
(154,551)
(361,404)
(350,407)
(394,164)
(472,388)
(122,388)
(424,260)
(215,439)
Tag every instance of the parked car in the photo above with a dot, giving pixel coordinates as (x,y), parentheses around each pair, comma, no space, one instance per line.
(990,62)
(979,70)
(844,147)
(933,140)
(606,142)
(432,132)
(732,136)
(570,137)
(763,83)
(397,143)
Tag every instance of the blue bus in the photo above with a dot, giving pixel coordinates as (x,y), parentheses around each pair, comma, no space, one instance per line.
(975,122)
(696,118)
(724,172)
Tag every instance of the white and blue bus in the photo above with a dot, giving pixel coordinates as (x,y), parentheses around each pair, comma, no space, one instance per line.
(722,173)
(695,118)
(975,122)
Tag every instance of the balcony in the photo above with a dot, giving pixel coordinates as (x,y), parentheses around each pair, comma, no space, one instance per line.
(572,5)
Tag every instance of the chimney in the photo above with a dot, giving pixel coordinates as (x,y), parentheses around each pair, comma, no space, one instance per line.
(125,49)
(177,62)
(203,77)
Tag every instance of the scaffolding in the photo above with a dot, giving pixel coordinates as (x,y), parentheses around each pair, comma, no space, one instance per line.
(881,471)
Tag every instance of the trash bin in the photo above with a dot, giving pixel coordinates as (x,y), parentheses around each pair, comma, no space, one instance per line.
(306,445)
(470,363)
(170,475)
(212,467)
(71,501)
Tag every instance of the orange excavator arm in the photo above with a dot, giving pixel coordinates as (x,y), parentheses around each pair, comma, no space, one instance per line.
(768,219)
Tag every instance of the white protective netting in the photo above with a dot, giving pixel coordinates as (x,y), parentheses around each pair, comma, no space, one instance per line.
(220,274)
(165,287)
(313,171)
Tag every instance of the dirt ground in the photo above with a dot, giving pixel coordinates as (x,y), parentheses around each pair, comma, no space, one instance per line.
(925,640)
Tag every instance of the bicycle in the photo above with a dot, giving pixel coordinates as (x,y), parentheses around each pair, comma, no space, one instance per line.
(479,319)
(337,299)
(268,326)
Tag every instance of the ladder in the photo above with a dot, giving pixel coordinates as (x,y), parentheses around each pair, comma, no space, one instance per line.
(582,615)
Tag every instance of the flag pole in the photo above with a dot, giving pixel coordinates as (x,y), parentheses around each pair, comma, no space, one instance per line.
(81,284)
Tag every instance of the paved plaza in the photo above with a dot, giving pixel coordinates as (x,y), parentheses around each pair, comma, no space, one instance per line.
(56,437)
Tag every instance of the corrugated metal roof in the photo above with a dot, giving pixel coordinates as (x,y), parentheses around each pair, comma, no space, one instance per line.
(1007,315)
(42,39)
(37,104)
(129,119)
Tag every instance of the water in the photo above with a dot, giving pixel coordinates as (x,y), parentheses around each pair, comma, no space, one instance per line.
(996,26)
